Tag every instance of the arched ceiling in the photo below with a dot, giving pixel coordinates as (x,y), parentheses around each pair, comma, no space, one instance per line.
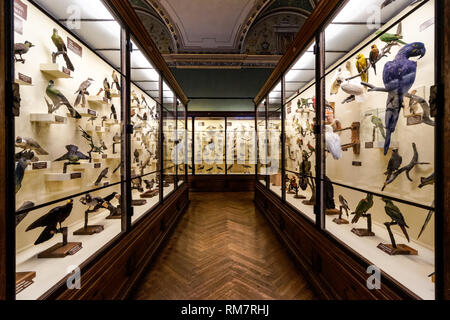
(214,33)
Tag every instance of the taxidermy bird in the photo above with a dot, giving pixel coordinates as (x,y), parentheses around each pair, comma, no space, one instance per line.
(144,100)
(136,155)
(333,143)
(311,148)
(427,181)
(344,204)
(116,80)
(149,184)
(373,57)
(329,194)
(363,207)
(117,138)
(113,112)
(93,203)
(73,155)
(427,220)
(101,176)
(50,221)
(107,89)
(62,49)
(21,49)
(30,144)
(361,66)
(58,100)
(399,76)
(378,123)
(394,164)
(23,208)
(110,197)
(135,98)
(397,217)
(390,37)
(82,92)
(355,89)
(22,164)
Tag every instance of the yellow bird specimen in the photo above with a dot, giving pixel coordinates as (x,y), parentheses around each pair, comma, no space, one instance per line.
(361,65)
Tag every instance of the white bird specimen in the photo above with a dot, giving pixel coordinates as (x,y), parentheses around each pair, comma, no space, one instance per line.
(333,143)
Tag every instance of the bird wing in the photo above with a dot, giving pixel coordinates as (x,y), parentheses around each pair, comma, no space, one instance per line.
(64,157)
(81,155)
(46,234)
(42,221)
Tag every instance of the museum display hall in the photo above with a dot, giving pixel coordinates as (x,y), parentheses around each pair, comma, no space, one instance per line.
(160,151)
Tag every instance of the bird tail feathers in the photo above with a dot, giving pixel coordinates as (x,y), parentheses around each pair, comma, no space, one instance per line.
(68,62)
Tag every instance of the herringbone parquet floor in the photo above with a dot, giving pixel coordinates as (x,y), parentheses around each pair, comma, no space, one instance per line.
(223,249)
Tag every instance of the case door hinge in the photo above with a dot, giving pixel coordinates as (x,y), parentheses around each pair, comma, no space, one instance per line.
(316,49)
(129,129)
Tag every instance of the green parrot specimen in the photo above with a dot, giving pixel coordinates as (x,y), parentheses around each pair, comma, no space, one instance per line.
(58,100)
(391,37)
(379,125)
(363,207)
(62,49)
(397,217)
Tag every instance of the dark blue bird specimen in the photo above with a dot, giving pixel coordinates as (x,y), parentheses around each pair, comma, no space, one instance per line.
(20,173)
(399,76)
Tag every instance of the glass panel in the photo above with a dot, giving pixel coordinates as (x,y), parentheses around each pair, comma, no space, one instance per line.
(209,146)
(73,231)
(241,145)
(90,21)
(145,117)
(262,142)
(382,140)
(181,144)
(412,271)
(300,139)
(68,139)
(274,151)
(189,145)
(145,194)
(143,73)
(169,181)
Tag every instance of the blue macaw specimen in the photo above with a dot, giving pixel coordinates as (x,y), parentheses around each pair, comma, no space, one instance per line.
(399,76)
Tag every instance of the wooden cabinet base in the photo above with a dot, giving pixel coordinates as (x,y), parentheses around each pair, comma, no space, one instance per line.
(89,230)
(222,183)
(402,249)
(340,221)
(24,280)
(61,250)
(334,270)
(363,232)
(112,273)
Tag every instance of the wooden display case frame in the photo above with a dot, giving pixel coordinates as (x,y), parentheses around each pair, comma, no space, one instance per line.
(278,211)
(131,250)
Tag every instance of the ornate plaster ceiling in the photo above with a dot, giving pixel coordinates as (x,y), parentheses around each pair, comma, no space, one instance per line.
(218,27)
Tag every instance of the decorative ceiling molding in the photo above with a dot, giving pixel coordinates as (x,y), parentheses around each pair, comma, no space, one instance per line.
(187,38)
(220,61)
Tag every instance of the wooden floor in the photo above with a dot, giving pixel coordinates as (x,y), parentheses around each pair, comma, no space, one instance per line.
(223,249)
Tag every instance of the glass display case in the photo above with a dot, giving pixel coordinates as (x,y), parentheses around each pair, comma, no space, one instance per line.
(261,131)
(87,138)
(364,151)
(144,143)
(300,140)
(223,144)
(385,131)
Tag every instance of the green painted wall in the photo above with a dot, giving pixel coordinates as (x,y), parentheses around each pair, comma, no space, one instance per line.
(212,83)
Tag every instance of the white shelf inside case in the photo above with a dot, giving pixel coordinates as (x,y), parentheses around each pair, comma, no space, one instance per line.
(97,101)
(56,70)
(47,118)
(60,177)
